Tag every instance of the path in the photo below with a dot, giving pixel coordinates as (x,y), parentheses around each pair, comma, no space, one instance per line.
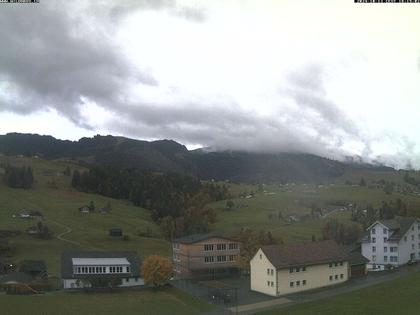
(68,230)
(247,308)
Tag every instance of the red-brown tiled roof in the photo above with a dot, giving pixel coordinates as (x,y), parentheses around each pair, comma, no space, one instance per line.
(300,254)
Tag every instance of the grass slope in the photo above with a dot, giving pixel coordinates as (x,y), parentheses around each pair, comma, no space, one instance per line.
(166,302)
(60,208)
(396,297)
(295,200)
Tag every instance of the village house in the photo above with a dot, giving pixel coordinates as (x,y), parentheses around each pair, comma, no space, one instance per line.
(284,269)
(34,268)
(77,268)
(205,255)
(392,242)
(84,209)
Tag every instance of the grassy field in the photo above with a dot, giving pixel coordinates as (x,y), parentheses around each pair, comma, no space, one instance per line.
(60,208)
(261,212)
(396,297)
(167,302)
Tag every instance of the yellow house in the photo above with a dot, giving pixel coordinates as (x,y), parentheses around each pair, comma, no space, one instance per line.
(284,269)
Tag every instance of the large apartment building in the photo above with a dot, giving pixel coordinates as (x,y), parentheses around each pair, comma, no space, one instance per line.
(392,242)
(205,255)
(284,269)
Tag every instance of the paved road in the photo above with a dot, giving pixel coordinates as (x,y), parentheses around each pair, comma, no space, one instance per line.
(372,279)
(68,230)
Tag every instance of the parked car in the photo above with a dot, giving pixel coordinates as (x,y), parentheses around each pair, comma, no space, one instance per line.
(412,262)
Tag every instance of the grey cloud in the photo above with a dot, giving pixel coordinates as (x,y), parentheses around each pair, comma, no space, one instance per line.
(192,13)
(50,66)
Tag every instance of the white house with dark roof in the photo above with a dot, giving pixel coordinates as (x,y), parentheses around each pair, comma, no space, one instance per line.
(283,269)
(392,242)
(81,265)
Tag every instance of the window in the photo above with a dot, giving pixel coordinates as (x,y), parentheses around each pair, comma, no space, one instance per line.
(291,284)
(208,259)
(385,249)
(341,276)
(412,237)
(232,257)
(127,269)
(341,263)
(291,270)
(385,239)
(221,258)
(268,271)
(373,231)
(221,246)
(373,239)
(297,283)
(385,258)
(127,279)
(233,246)
(373,249)
(303,268)
(336,277)
(268,283)
(272,283)
(175,246)
(272,271)
(331,277)
(297,269)
(330,265)
(393,249)
(260,256)
(373,257)
(78,268)
(412,246)
(385,231)
(412,228)
(208,247)
(303,282)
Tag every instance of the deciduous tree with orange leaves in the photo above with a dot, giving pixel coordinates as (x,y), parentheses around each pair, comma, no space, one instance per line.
(156,270)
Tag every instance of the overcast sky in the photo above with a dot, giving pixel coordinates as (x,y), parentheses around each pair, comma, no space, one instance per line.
(327,77)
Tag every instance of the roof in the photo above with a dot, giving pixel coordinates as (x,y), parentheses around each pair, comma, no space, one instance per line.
(194,238)
(67,261)
(99,261)
(300,254)
(356,258)
(33,265)
(397,226)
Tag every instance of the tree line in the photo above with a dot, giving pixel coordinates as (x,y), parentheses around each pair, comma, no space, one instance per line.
(177,202)
(18,177)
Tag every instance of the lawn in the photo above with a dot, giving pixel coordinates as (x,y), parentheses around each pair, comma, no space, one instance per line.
(395,297)
(169,301)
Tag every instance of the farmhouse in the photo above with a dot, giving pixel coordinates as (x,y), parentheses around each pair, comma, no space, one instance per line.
(34,268)
(205,255)
(392,242)
(284,269)
(84,209)
(80,269)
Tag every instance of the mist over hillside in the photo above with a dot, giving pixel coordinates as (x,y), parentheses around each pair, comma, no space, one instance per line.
(171,156)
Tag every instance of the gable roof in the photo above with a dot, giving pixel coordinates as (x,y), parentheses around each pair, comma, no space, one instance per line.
(33,266)
(67,261)
(397,226)
(194,238)
(300,254)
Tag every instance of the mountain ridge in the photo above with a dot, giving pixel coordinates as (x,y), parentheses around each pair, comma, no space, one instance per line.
(170,156)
